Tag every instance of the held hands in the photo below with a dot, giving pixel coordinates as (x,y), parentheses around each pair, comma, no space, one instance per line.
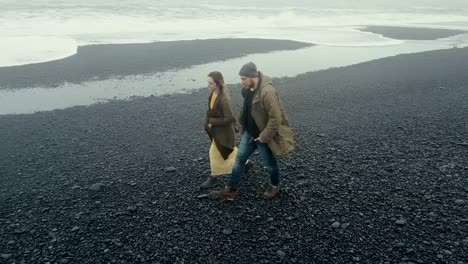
(207,125)
(259,139)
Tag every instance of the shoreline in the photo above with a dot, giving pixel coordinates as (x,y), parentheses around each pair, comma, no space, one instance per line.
(293,62)
(98,62)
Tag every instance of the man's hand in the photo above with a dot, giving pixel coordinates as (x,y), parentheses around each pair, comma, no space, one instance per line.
(259,139)
(210,126)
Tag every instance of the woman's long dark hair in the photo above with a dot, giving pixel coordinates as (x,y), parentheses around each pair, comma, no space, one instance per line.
(218,79)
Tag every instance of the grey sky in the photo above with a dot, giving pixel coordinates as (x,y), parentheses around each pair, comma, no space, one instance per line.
(360,4)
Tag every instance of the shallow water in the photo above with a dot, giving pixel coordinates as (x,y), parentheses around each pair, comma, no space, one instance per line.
(276,64)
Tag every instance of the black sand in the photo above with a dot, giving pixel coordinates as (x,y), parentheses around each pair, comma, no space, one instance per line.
(382,149)
(104,61)
(411,33)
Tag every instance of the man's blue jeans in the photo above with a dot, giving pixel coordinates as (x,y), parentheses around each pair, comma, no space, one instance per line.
(246,148)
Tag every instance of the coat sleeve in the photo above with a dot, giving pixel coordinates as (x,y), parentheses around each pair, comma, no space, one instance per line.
(227,112)
(273,110)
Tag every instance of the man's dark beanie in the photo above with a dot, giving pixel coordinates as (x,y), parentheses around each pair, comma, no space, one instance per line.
(249,70)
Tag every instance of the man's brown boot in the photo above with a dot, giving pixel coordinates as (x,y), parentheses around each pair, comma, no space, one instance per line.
(225,193)
(271,193)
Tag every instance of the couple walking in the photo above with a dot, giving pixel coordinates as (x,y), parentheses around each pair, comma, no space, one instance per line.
(264,127)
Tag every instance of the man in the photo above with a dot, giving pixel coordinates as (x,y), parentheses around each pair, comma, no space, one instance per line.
(265,127)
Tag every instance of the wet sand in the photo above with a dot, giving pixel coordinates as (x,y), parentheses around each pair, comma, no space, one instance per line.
(97,62)
(411,33)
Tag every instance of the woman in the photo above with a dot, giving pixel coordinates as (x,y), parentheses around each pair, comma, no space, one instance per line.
(221,128)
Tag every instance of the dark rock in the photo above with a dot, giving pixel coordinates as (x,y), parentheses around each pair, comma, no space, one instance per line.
(170,169)
(20,231)
(6,256)
(97,187)
(448,252)
(401,222)
(227,231)
(336,224)
(203,196)
(132,209)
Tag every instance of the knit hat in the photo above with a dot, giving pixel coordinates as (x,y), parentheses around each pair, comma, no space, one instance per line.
(249,70)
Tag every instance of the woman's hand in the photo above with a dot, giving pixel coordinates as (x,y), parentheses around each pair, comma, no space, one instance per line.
(259,139)
(210,126)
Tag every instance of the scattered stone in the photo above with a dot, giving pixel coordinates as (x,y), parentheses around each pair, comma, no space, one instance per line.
(400,222)
(336,224)
(203,196)
(106,250)
(76,228)
(459,202)
(170,169)
(75,187)
(227,231)
(53,235)
(20,231)
(302,182)
(448,252)
(132,208)
(97,187)
(6,256)
(439,256)
(281,254)
(11,242)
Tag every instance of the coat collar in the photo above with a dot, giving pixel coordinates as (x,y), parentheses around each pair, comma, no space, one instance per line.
(262,82)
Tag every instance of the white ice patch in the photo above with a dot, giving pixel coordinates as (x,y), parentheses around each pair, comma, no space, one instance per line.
(22,50)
